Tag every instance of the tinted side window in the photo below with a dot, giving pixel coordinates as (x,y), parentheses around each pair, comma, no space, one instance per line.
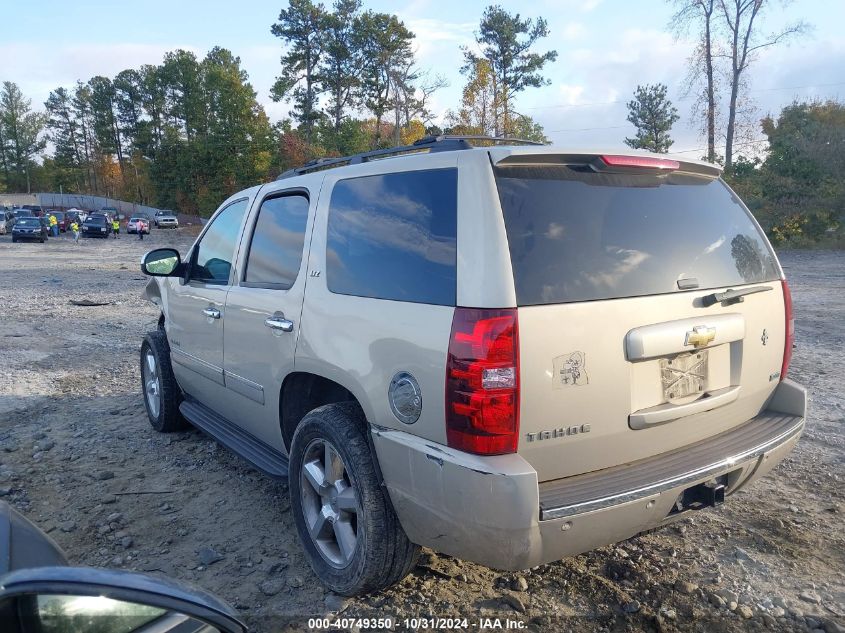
(212,261)
(275,252)
(393,236)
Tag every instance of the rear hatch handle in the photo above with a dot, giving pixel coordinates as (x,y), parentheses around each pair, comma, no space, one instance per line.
(731,296)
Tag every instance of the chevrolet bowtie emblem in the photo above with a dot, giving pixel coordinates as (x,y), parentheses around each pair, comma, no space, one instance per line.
(700,336)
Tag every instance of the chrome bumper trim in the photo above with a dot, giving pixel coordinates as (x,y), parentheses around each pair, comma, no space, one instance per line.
(663,484)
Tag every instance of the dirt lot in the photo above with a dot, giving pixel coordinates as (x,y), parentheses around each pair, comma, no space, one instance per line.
(79,458)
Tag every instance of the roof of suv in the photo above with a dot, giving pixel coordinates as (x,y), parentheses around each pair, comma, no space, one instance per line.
(504,150)
(425,145)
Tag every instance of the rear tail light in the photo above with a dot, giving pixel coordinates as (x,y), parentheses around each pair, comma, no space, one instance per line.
(789,338)
(482,381)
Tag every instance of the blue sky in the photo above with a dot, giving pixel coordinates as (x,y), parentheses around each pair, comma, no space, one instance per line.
(605,48)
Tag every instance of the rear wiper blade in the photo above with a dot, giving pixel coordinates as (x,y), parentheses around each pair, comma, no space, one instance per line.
(731,296)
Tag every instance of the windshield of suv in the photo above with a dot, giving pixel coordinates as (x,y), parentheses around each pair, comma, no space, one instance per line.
(578,235)
(96,219)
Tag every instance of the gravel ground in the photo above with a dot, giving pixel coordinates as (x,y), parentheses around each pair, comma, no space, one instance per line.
(78,457)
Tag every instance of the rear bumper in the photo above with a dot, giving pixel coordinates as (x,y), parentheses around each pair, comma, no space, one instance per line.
(491,510)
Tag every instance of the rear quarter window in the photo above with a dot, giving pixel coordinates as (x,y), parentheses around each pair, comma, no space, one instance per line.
(393,236)
(577,235)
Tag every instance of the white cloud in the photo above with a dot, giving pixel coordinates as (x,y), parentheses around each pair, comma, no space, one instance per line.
(571,94)
(565,6)
(434,35)
(574,31)
(714,245)
(39,69)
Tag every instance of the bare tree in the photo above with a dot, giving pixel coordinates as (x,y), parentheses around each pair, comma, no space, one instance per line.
(416,103)
(741,19)
(700,14)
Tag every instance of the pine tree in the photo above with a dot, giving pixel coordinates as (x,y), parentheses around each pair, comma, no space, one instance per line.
(506,41)
(21,134)
(653,115)
(302,27)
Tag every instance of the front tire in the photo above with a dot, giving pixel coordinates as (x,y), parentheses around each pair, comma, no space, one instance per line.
(346,523)
(161,393)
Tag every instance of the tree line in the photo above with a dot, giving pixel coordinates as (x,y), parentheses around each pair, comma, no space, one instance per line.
(188,132)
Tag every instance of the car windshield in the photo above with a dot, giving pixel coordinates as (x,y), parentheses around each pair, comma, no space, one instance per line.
(96,219)
(28,222)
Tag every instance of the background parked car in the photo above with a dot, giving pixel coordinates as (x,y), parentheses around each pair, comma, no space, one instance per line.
(61,218)
(36,209)
(166,220)
(30,228)
(94,214)
(7,221)
(132,225)
(72,216)
(96,225)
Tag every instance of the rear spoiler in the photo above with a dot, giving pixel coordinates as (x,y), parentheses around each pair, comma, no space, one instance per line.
(608,162)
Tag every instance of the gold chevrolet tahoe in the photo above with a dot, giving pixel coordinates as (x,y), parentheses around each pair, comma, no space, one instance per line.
(507,353)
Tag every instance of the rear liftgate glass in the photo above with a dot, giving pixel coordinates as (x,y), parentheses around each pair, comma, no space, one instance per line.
(588,237)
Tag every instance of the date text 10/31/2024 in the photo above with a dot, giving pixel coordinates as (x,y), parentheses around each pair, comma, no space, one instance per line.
(418,624)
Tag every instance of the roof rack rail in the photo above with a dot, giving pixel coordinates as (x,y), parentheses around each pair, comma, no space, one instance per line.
(427,144)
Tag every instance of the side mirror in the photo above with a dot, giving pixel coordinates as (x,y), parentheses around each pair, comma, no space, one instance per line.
(89,600)
(162,262)
(39,593)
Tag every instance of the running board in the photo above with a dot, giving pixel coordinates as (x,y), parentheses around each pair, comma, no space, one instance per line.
(265,458)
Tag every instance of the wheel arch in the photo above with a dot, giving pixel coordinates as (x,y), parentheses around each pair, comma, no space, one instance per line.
(302,392)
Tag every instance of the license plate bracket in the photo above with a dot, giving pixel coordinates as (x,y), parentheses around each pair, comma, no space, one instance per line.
(684,377)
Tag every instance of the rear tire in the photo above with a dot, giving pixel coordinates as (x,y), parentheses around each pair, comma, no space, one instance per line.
(158,385)
(357,545)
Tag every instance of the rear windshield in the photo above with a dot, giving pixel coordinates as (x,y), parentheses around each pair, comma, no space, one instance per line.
(578,235)
(29,222)
(96,219)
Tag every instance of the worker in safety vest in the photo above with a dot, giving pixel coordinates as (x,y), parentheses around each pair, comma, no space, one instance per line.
(54,226)
(115,228)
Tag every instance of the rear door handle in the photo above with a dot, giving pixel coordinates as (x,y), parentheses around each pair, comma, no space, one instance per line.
(211,313)
(279,322)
